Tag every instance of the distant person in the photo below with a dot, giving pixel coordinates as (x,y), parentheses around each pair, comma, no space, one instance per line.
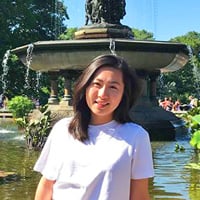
(167,104)
(193,102)
(163,103)
(1,100)
(99,153)
(37,103)
(176,106)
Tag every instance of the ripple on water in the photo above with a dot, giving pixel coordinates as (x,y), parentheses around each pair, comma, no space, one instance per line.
(172,179)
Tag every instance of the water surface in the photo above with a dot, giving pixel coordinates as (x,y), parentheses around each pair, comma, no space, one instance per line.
(172,181)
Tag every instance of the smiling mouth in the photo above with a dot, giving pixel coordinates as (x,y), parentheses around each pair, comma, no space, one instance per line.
(101,104)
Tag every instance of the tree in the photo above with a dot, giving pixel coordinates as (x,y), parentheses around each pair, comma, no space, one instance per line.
(69,34)
(142,34)
(24,22)
(186,80)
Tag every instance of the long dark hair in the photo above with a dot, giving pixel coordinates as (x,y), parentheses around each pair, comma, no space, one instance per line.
(79,124)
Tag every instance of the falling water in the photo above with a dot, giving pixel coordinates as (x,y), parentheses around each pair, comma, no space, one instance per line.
(5,70)
(112,47)
(38,75)
(196,70)
(161,86)
(28,64)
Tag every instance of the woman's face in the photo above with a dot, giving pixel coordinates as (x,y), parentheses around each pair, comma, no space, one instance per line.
(104,94)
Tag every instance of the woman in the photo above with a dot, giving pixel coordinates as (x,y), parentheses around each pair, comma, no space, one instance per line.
(99,154)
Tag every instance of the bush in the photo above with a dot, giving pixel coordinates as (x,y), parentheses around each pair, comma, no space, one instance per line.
(192,119)
(20,106)
(36,130)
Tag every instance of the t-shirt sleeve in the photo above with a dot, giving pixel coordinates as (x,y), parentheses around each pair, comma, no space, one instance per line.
(49,162)
(142,162)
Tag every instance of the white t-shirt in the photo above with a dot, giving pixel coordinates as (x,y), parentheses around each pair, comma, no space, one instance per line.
(100,168)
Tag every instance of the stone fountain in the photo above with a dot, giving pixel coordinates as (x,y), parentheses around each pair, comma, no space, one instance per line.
(103,34)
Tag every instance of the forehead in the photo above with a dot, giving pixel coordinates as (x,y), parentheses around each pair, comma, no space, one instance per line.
(107,72)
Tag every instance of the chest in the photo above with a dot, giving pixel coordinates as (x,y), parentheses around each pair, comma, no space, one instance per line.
(106,155)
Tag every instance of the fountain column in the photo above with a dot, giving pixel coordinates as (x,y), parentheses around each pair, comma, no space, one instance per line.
(67,89)
(152,86)
(144,100)
(54,88)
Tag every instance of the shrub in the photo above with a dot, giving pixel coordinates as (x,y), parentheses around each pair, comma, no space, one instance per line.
(192,119)
(20,106)
(36,130)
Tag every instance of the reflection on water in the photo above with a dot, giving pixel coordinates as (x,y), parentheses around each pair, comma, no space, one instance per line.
(172,181)
(16,158)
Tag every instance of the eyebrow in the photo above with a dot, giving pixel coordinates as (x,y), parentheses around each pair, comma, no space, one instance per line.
(112,82)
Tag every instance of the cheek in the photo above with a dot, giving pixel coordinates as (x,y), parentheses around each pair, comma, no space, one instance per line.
(89,94)
(119,94)
(117,97)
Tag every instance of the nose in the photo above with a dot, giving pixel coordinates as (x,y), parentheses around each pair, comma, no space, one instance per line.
(103,92)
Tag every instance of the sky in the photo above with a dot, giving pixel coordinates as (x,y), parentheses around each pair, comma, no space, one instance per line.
(166,19)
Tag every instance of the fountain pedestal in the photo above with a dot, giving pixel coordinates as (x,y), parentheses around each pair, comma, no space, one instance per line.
(104,30)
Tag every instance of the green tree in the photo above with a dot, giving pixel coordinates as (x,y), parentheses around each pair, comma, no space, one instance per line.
(69,34)
(142,34)
(23,22)
(186,80)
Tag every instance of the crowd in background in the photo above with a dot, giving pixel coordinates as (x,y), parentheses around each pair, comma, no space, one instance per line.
(170,105)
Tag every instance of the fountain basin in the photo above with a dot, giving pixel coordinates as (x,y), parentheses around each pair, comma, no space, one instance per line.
(149,58)
(76,54)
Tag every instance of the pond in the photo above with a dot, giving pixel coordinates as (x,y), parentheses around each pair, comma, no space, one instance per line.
(174,179)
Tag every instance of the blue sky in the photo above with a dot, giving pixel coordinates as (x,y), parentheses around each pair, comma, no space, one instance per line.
(166,19)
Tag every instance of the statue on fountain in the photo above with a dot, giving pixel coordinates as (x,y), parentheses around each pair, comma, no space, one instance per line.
(103,11)
(102,20)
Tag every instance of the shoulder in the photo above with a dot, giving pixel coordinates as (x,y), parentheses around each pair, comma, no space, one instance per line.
(60,128)
(133,127)
(133,131)
(63,122)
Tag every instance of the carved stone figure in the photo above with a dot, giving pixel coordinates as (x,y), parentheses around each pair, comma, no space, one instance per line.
(104,11)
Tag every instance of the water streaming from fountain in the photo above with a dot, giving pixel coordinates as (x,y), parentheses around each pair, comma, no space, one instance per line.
(112,47)
(5,70)
(28,64)
(5,67)
(196,70)
(38,76)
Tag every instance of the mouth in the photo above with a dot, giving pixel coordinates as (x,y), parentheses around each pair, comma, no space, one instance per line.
(101,104)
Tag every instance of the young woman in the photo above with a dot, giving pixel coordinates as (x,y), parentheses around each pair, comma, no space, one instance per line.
(99,154)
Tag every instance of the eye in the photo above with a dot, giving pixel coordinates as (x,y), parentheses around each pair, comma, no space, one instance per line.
(96,84)
(114,87)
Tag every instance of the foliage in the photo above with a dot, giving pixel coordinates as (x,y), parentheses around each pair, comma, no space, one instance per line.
(142,34)
(195,141)
(186,81)
(68,34)
(193,166)
(192,119)
(32,20)
(179,84)
(179,148)
(23,22)
(20,106)
(36,130)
